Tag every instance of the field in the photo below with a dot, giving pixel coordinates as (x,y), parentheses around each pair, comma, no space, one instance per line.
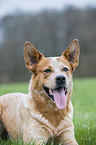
(84,102)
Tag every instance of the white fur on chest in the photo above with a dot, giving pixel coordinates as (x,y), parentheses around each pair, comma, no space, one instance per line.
(45,122)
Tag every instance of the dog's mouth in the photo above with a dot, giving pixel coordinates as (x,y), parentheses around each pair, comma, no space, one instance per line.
(57,95)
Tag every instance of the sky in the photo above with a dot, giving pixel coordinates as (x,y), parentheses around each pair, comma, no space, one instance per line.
(10,6)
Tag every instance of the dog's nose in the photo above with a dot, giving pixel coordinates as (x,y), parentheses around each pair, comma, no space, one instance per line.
(60,80)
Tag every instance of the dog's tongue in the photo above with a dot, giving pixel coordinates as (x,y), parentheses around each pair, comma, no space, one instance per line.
(60,98)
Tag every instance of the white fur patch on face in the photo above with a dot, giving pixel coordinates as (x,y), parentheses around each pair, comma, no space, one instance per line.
(57,67)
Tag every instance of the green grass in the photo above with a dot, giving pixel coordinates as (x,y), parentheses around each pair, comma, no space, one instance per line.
(84,102)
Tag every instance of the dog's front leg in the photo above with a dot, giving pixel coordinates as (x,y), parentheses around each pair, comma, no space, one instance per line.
(34,131)
(67,137)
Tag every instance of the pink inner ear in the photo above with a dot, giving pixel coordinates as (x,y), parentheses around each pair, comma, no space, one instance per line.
(72,53)
(72,56)
(33,60)
(32,56)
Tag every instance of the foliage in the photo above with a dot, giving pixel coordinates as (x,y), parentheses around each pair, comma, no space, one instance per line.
(84,102)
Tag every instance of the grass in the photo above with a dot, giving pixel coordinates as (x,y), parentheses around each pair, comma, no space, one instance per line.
(84,102)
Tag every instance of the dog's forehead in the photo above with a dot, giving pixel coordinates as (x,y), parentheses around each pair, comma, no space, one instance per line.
(54,62)
(59,62)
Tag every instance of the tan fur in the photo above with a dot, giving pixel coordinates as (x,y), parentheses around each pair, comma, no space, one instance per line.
(35,115)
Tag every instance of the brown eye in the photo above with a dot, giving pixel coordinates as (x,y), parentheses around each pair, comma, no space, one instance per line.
(65,69)
(47,70)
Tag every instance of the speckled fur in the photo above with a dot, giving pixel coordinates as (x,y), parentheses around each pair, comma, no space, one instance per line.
(35,115)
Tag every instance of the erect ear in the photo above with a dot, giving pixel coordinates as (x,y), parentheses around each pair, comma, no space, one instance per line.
(72,54)
(32,56)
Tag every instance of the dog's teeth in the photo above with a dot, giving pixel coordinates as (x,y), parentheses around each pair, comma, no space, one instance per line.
(51,90)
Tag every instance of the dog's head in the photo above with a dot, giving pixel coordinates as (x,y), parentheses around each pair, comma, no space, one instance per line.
(53,75)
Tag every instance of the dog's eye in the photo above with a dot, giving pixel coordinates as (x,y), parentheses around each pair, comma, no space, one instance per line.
(47,70)
(65,69)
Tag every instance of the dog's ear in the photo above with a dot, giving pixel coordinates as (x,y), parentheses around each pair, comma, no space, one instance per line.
(72,54)
(32,56)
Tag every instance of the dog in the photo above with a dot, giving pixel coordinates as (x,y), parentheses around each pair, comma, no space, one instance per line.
(46,112)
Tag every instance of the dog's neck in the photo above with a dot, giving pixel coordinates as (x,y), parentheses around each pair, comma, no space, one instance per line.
(40,99)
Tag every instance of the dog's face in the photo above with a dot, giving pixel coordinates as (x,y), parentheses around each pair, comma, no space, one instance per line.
(53,75)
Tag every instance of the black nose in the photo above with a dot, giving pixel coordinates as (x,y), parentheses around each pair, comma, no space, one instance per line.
(60,80)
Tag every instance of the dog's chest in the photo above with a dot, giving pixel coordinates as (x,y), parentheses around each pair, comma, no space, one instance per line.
(54,117)
(47,109)
(54,125)
(51,114)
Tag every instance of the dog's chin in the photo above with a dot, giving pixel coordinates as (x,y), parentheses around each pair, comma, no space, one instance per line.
(57,95)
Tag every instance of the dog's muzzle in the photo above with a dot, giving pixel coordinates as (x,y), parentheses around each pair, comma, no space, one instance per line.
(58,94)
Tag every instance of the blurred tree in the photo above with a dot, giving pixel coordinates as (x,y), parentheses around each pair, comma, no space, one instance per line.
(50,32)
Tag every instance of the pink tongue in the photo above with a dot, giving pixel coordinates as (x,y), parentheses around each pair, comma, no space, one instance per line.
(60,98)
